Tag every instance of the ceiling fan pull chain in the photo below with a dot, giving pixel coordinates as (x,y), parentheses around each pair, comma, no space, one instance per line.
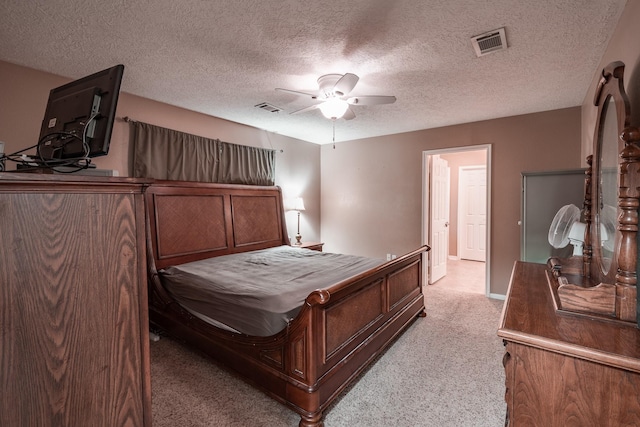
(334,133)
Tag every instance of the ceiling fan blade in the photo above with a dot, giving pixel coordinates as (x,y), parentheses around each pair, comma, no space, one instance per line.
(295,92)
(345,84)
(371,100)
(304,110)
(349,114)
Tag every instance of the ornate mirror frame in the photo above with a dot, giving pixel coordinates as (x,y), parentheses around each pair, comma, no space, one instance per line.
(606,285)
(615,144)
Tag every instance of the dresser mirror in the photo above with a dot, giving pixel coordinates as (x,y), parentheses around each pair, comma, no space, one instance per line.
(606,288)
(607,192)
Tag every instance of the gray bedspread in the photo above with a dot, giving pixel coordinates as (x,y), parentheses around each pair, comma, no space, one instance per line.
(258,293)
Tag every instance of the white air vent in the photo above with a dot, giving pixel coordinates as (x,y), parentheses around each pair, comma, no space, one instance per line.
(489,42)
(268,107)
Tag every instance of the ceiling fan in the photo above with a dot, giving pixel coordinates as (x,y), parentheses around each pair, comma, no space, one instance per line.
(333,91)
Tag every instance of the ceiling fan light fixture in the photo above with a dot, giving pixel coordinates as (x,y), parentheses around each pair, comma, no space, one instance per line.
(334,108)
(333,89)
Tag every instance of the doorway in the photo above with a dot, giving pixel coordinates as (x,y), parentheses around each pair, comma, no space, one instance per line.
(467,222)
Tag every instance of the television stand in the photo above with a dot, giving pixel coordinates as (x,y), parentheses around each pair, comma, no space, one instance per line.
(37,166)
(26,168)
(77,165)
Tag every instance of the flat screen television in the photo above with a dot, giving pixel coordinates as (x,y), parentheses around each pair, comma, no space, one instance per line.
(79,118)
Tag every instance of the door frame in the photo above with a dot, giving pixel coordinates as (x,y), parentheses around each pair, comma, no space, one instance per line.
(425,205)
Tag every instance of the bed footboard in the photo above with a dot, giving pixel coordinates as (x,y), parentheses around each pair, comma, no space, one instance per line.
(346,327)
(337,335)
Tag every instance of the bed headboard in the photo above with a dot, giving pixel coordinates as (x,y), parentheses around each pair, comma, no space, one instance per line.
(190,221)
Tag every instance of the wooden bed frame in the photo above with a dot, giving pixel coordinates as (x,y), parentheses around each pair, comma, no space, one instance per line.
(337,334)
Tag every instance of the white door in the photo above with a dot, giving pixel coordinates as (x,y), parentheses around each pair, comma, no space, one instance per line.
(472,213)
(439,215)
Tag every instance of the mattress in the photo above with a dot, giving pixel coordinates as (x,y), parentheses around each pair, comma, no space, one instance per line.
(258,293)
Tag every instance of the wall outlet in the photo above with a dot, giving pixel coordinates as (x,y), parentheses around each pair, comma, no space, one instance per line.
(388,257)
(393,256)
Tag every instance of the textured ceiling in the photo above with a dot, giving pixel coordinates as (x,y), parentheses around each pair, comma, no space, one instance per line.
(223,57)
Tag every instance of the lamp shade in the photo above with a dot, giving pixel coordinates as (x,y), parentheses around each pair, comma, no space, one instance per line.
(298,204)
(334,108)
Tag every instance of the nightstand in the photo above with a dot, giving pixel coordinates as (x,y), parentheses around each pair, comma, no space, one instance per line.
(314,246)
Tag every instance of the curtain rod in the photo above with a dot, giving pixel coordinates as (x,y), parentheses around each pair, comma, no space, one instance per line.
(128,119)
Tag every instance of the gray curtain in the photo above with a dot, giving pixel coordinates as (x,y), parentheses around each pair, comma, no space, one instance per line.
(163,153)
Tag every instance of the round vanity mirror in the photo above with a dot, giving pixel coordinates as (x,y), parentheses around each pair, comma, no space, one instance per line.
(607,208)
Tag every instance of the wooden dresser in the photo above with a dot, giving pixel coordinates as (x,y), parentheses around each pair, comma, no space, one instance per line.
(565,369)
(74,345)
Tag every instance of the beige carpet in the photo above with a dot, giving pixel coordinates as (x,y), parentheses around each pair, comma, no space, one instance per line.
(445,370)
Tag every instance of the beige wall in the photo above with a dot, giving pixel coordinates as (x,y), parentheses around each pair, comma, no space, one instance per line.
(456,161)
(372,188)
(23,99)
(624,46)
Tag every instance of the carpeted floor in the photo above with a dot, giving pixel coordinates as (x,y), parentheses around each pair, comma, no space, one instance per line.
(445,370)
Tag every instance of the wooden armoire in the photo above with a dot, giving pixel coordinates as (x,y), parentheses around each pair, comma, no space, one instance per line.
(74,341)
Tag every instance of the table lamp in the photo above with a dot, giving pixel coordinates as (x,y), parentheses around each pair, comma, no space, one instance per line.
(298,206)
